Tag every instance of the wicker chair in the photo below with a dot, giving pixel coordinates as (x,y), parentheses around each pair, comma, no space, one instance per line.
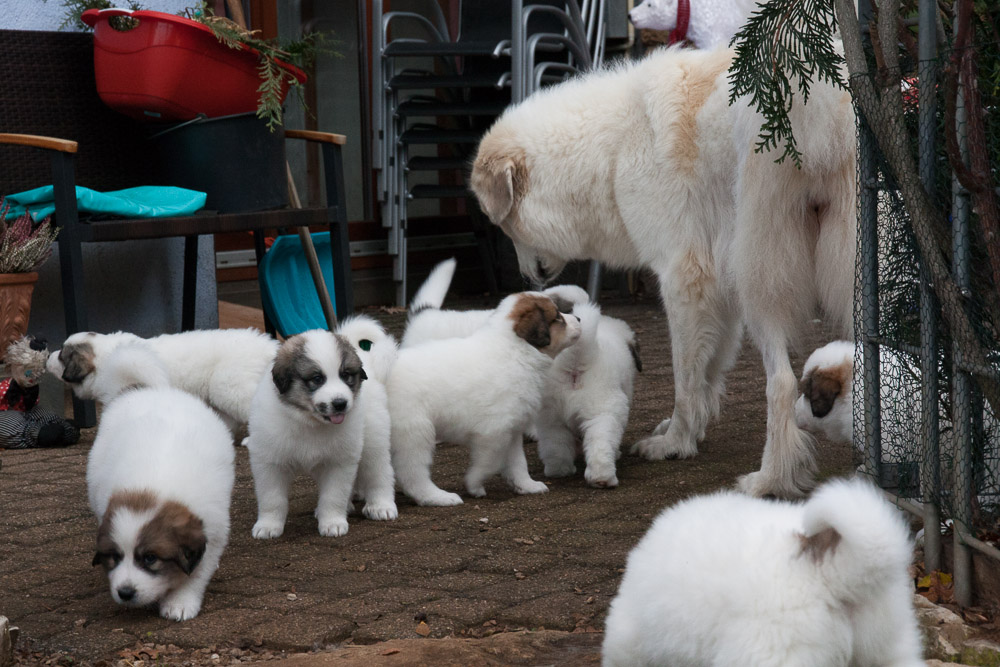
(54,129)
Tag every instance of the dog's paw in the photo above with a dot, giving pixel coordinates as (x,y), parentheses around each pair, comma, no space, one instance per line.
(560,469)
(180,607)
(266,529)
(440,498)
(380,511)
(531,486)
(764,486)
(664,447)
(336,527)
(478,491)
(601,477)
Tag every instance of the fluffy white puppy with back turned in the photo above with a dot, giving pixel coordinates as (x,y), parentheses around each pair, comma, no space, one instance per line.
(307,416)
(482,390)
(726,579)
(159,480)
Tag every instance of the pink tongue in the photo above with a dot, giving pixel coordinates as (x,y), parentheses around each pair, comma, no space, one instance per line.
(336,419)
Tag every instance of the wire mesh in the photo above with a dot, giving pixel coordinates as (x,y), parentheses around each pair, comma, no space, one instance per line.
(928,359)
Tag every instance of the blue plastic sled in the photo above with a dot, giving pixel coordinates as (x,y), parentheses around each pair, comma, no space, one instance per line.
(286,285)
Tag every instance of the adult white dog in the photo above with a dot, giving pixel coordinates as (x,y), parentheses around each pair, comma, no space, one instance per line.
(221,366)
(159,479)
(730,580)
(482,390)
(647,165)
(311,414)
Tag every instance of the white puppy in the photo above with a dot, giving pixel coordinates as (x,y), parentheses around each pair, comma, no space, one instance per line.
(730,580)
(588,389)
(159,479)
(482,390)
(221,366)
(308,415)
(711,23)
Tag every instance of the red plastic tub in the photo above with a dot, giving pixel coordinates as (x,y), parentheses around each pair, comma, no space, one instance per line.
(170,68)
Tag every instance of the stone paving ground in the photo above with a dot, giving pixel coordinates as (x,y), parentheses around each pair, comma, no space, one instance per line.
(502,563)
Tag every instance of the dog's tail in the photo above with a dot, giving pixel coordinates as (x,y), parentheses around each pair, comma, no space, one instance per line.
(376,347)
(856,536)
(129,366)
(431,294)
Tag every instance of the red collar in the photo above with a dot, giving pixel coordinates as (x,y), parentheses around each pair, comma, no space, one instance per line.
(679,33)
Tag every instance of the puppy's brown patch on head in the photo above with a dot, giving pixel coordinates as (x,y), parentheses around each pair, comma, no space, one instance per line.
(538,321)
(499,174)
(351,370)
(174,539)
(108,553)
(817,546)
(286,363)
(77,360)
(822,386)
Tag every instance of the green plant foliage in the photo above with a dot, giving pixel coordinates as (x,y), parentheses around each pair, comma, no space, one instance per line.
(74,8)
(782,49)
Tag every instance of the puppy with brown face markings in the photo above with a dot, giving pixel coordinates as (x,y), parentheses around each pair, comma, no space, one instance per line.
(159,480)
(308,415)
(482,389)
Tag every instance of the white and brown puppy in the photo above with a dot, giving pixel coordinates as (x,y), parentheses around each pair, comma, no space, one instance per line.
(159,480)
(482,390)
(826,399)
(308,415)
(220,366)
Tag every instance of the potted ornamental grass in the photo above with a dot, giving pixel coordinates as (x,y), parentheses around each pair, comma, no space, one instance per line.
(24,247)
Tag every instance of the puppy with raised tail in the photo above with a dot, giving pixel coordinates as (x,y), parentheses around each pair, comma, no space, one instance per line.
(730,580)
(159,480)
(309,415)
(482,390)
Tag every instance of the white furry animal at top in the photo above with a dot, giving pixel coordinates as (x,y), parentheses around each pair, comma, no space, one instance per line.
(588,390)
(482,390)
(310,414)
(647,165)
(221,366)
(159,479)
(726,579)
(712,23)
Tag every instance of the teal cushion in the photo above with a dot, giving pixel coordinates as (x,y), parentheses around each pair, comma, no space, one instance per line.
(146,201)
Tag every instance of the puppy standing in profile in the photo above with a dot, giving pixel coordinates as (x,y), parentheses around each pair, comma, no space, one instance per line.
(309,415)
(159,480)
(483,390)
(730,580)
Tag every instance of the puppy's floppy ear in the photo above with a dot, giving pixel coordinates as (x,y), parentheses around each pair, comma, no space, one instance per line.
(78,362)
(106,548)
(633,348)
(175,534)
(284,371)
(495,181)
(532,326)
(821,390)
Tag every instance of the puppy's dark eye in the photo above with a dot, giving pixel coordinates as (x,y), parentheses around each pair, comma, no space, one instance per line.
(315,381)
(149,560)
(349,378)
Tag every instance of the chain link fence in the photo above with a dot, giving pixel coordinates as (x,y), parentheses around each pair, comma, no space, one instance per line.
(927,368)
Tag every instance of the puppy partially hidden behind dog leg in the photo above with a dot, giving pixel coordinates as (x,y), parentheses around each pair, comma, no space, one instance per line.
(482,390)
(727,579)
(159,480)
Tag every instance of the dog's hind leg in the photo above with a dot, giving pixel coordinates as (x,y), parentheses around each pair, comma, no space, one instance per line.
(515,469)
(787,468)
(602,436)
(556,447)
(412,455)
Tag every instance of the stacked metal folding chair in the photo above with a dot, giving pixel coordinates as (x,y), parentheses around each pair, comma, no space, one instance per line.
(437,91)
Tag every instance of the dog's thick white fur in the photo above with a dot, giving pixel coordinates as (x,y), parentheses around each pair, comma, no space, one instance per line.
(727,579)
(159,479)
(482,390)
(310,414)
(711,24)
(647,165)
(221,366)
(588,388)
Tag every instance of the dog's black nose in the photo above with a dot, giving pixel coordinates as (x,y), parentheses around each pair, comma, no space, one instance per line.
(339,405)
(126,593)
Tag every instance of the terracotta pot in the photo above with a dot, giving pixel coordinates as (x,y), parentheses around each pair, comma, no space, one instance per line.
(15,306)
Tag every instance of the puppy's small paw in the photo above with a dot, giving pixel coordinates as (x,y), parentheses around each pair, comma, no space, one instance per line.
(440,498)
(560,469)
(381,511)
(180,608)
(478,491)
(531,486)
(664,447)
(333,527)
(266,529)
(601,477)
